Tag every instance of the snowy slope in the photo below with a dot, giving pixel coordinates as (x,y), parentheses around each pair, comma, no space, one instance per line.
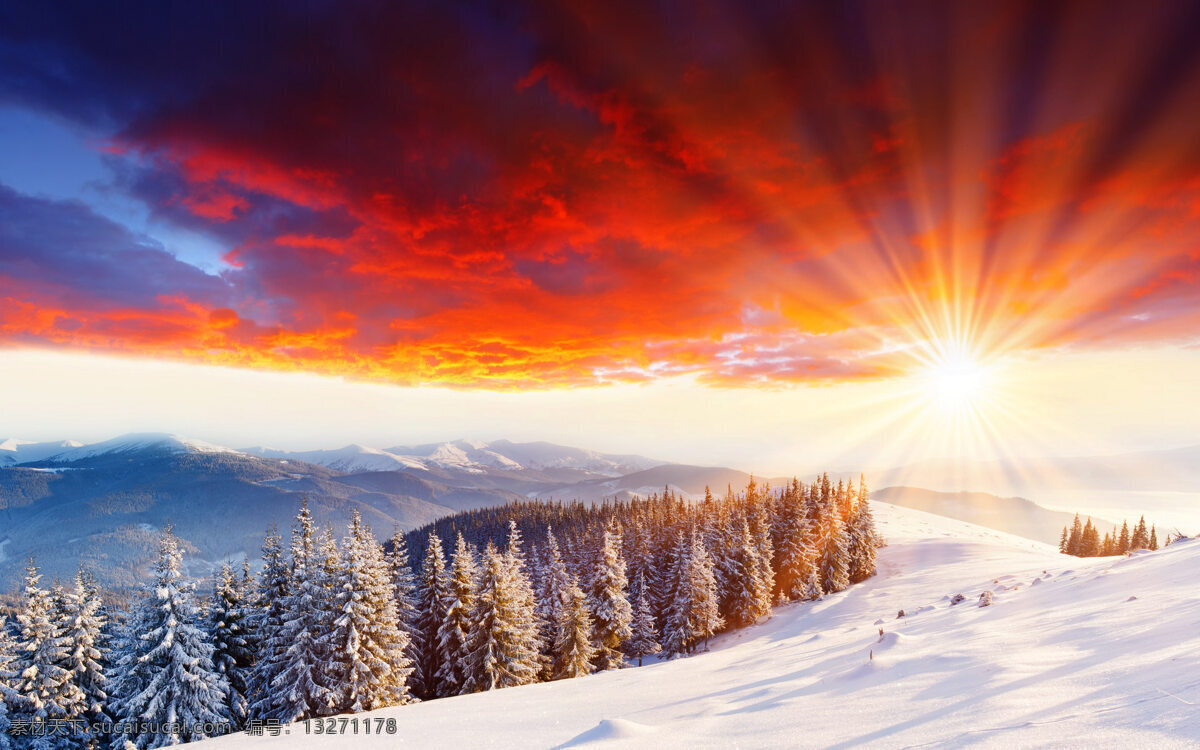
(1064,658)
(136,442)
(15,451)
(353,459)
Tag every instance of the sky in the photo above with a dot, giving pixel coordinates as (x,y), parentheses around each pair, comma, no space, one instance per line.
(758,234)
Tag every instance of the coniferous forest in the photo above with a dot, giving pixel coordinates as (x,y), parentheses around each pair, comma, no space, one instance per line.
(488,599)
(1083,539)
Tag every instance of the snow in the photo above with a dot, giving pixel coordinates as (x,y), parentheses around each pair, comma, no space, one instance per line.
(136,442)
(1072,661)
(16,451)
(352,459)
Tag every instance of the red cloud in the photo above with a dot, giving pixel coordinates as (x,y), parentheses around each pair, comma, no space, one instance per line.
(604,193)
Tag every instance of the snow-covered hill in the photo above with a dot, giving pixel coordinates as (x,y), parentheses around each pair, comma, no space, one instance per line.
(1073,653)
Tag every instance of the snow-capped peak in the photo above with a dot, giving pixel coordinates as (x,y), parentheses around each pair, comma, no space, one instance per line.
(137,442)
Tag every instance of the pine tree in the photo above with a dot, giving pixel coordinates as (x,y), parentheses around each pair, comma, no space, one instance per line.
(694,614)
(267,626)
(864,539)
(43,689)
(552,596)
(8,692)
(1123,540)
(644,640)
(1062,543)
(574,650)
(453,635)
(405,585)
(608,602)
(1075,539)
(433,593)
(1153,543)
(232,654)
(1140,538)
(745,598)
(366,646)
(834,549)
(83,623)
(302,686)
(503,649)
(167,676)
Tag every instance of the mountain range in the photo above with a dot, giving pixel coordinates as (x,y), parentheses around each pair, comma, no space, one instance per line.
(103,503)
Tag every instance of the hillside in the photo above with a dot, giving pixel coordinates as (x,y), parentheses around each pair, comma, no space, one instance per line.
(1013,515)
(1072,653)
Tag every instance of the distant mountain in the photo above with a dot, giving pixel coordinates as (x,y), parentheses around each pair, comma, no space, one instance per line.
(1176,470)
(1013,515)
(470,457)
(13,451)
(104,502)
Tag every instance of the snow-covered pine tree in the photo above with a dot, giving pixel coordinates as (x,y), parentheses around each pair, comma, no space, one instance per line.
(405,585)
(555,580)
(503,646)
(746,597)
(693,615)
(232,656)
(42,689)
(608,601)
(864,540)
(574,650)
(644,640)
(433,593)
(366,646)
(83,623)
(167,677)
(764,546)
(834,549)
(530,625)
(8,694)
(302,686)
(267,627)
(454,633)
(795,557)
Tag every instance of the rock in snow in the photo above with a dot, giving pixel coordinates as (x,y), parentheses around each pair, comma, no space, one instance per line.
(1056,665)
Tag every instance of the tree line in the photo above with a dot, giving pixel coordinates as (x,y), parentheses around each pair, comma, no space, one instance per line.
(1083,540)
(339,626)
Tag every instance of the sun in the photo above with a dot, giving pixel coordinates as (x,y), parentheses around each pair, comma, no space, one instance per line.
(957,382)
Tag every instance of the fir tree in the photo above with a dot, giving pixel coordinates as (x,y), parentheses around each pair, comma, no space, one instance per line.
(1153,543)
(552,596)
(366,646)
(43,688)
(1123,541)
(745,598)
(8,693)
(1062,543)
(503,648)
(864,540)
(834,550)
(574,650)
(1075,539)
(433,593)
(167,678)
(232,654)
(453,635)
(644,640)
(609,603)
(302,688)
(694,613)
(82,626)
(405,585)
(267,625)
